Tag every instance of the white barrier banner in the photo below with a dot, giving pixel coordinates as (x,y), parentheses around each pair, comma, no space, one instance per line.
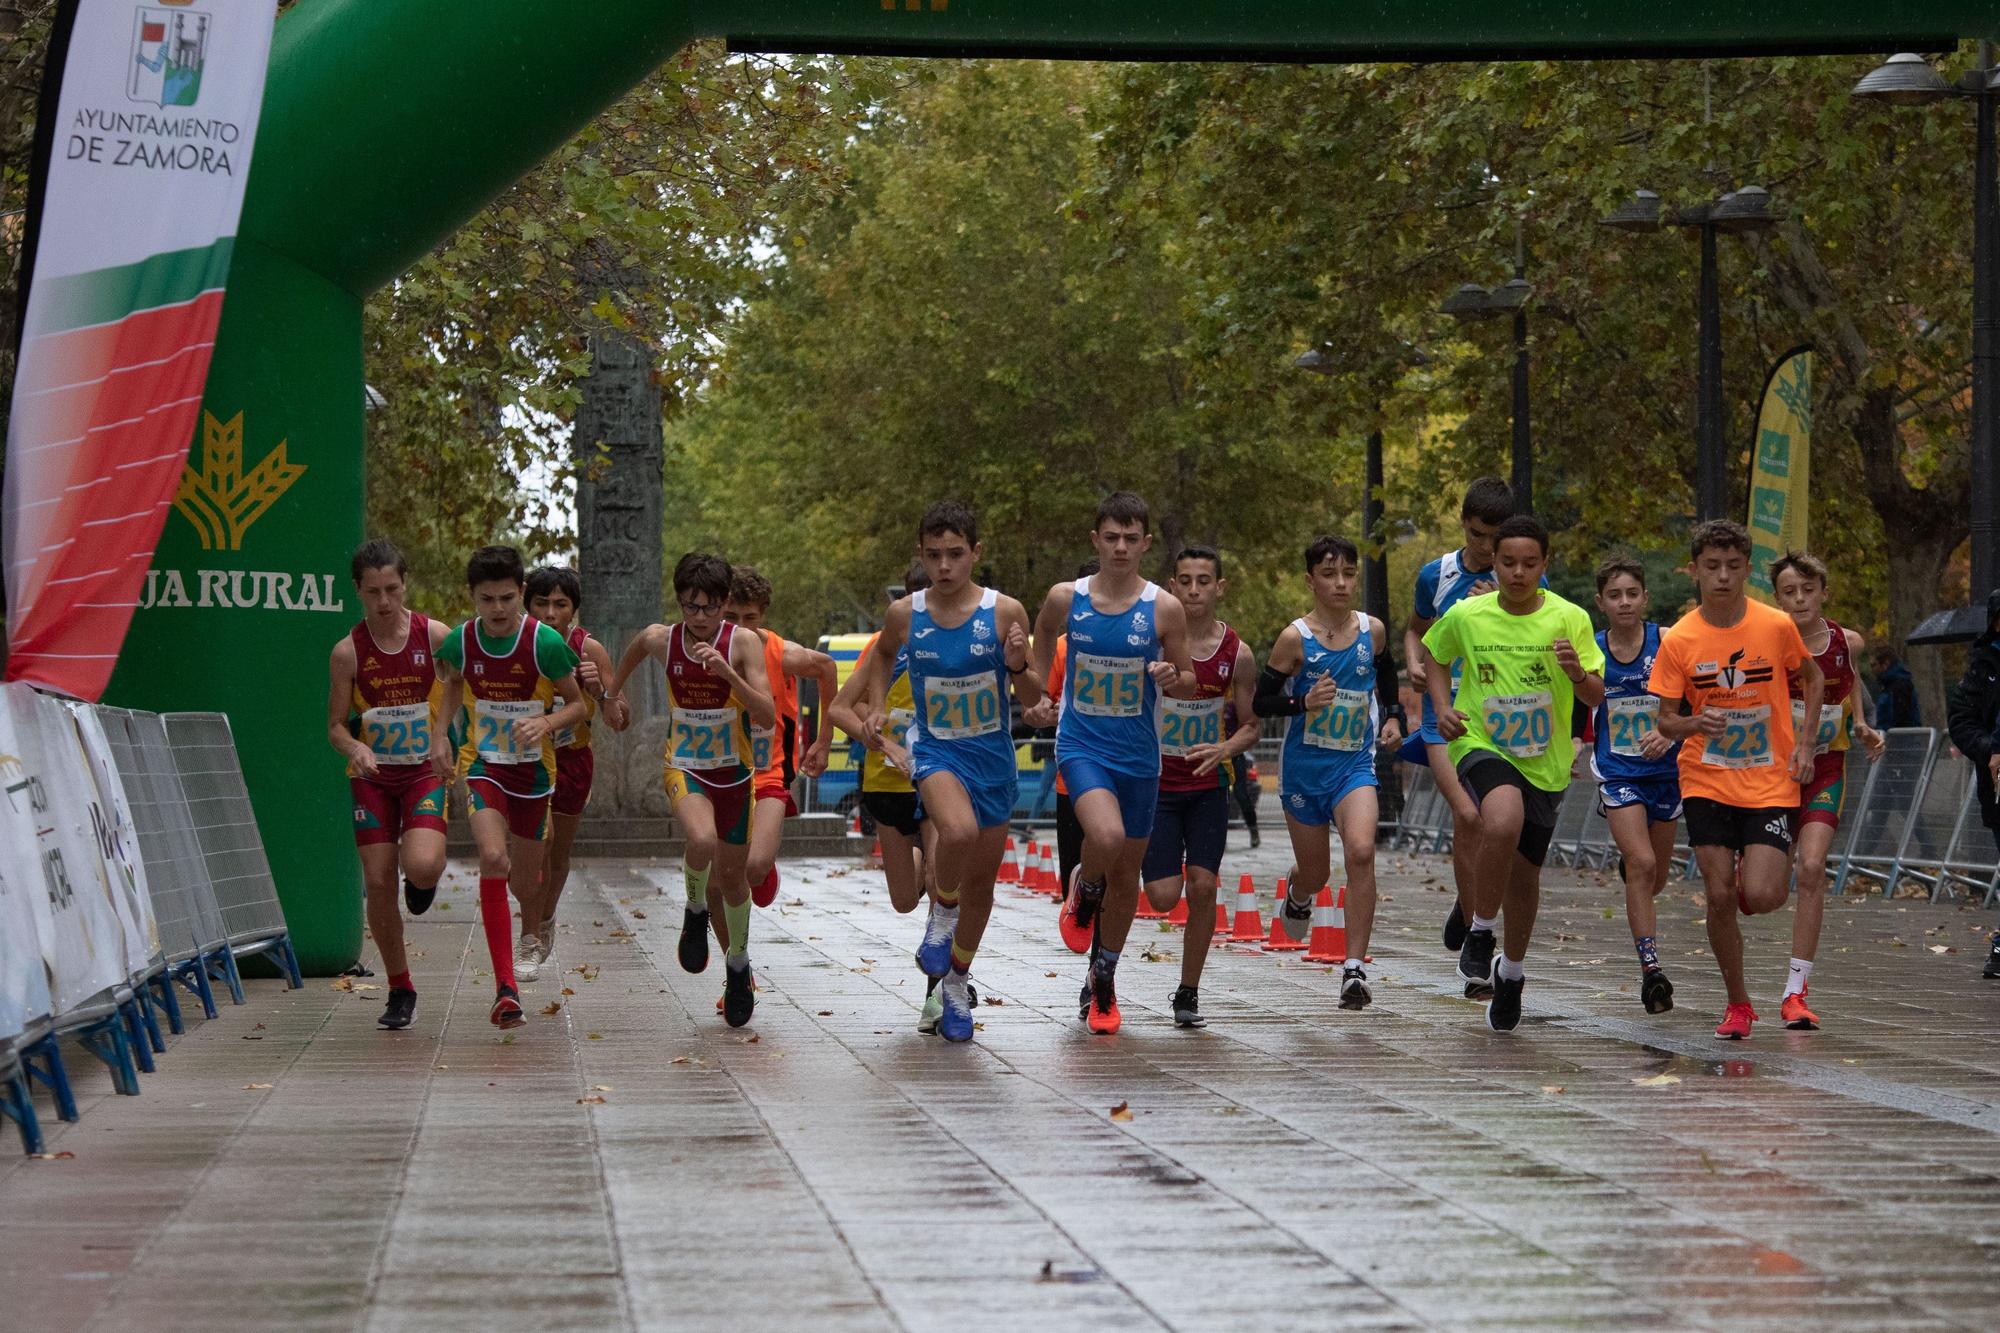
(24,977)
(117,842)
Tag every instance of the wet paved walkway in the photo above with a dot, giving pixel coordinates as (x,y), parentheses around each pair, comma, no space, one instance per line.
(1292,1166)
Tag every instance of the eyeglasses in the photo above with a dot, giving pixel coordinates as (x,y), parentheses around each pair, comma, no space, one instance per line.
(700,608)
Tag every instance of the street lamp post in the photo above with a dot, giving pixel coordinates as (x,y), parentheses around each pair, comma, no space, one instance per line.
(1909,80)
(1473,302)
(1374,548)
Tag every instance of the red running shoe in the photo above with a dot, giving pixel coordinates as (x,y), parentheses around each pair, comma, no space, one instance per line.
(1736,1021)
(1795,1014)
(1077,922)
(507,1010)
(765,891)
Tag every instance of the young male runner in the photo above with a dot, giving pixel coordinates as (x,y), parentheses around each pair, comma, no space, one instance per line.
(1127,645)
(775,751)
(1722,673)
(965,644)
(716,692)
(1442,584)
(1191,817)
(1331,676)
(1799,582)
(383,676)
(513,667)
(1637,767)
(1528,657)
(555,595)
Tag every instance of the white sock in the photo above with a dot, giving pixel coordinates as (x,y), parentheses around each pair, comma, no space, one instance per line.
(1508,969)
(1795,979)
(1485,923)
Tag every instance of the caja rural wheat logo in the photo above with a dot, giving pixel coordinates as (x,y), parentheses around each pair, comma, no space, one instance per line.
(169,53)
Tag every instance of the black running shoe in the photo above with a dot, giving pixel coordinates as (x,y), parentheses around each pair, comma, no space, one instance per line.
(1993,959)
(1187,1008)
(739,997)
(1083,1000)
(1656,992)
(1354,992)
(1256,840)
(694,940)
(1454,929)
(418,900)
(402,1007)
(1475,963)
(1504,1014)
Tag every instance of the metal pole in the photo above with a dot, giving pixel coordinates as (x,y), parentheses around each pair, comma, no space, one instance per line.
(1524,460)
(1710,487)
(1374,546)
(1985,346)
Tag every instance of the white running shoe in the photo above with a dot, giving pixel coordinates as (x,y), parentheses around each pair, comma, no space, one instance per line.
(528,960)
(927,1022)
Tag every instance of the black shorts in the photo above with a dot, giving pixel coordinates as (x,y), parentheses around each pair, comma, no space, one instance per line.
(1069,839)
(1714,824)
(1484,773)
(1189,828)
(899,810)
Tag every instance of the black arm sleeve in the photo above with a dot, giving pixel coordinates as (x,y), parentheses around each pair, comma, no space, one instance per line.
(1387,694)
(1271,699)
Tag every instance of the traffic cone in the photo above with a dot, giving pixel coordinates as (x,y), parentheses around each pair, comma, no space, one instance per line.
(1280,942)
(1147,912)
(1010,864)
(1044,870)
(854,824)
(1249,926)
(1329,929)
(1178,915)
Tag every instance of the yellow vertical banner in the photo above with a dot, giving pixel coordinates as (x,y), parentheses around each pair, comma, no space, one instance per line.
(1781,467)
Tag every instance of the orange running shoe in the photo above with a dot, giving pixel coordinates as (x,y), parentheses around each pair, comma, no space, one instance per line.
(1736,1021)
(1795,1014)
(1102,1015)
(1079,919)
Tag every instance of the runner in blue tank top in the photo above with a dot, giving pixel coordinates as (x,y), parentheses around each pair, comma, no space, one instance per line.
(966,643)
(1637,768)
(1126,644)
(1441,585)
(1331,676)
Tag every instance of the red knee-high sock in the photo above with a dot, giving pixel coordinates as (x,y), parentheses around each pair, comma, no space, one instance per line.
(498,918)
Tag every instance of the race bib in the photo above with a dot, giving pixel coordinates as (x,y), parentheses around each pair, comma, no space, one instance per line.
(1187,723)
(898,728)
(1520,724)
(398,734)
(704,739)
(1340,725)
(494,721)
(1631,720)
(1108,686)
(1829,724)
(1745,741)
(959,708)
(763,746)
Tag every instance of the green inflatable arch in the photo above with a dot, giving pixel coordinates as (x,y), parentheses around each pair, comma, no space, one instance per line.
(387,123)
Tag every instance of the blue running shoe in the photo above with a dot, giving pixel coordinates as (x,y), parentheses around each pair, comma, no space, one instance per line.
(955,1024)
(934,954)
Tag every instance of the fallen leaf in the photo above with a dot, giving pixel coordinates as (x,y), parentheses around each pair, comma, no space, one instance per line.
(590,1101)
(826,1013)
(567,991)
(641,915)
(552,1008)
(258,1028)
(248,1037)
(440,1066)
(1552,1089)
(1122,1111)
(252,1087)
(1658,1081)
(1942,948)
(993,1000)
(1048,974)
(343,983)
(363,985)
(594,1036)
(752,1039)
(64,1156)
(600,1087)
(678,1060)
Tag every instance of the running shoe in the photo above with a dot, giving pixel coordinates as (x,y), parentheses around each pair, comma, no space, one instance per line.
(1794,1014)
(1993,959)
(1475,963)
(507,1009)
(1256,840)
(765,891)
(694,940)
(933,1010)
(1101,1014)
(547,952)
(1655,991)
(1504,1013)
(1455,928)
(1295,916)
(1354,992)
(528,959)
(934,954)
(955,1024)
(1187,1008)
(416,899)
(1079,913)
(1736,1021)
(739,996)
(721,1000)
(402,1007)
(1083,1000)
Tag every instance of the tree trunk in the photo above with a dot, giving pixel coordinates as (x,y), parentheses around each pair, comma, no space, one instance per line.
(1916,563)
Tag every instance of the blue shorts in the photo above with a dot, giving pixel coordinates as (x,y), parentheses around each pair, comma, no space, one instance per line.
(1315,809)
(1138,795)
(992,802)
(1662,799)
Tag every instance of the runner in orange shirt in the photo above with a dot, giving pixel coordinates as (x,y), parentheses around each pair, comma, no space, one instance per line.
(1721,674)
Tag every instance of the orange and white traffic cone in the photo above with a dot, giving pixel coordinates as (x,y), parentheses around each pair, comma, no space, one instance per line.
(1178,915)
(1328,943)
(1249,926)
(1280,942)
(854,824)
(1045,872)
(1010,864)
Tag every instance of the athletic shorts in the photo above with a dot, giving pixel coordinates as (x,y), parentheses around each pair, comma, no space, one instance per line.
(1713,824)
(775,789)
(1138,796)
(992,804)
(1069,838)
(1315,809)
(1189,828)
(899,810)
(1821,795)
(385,811)
(1661,797)
(576,766)
(526,816)
(1484,773)
(731,804)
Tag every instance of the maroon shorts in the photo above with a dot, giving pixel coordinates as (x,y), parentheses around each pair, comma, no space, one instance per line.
(405,797)
(576,765)
(771,787)
(526,816)
(1821,796)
